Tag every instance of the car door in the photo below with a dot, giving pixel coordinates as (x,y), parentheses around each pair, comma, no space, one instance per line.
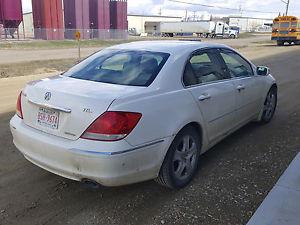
(213,91)
(247,86)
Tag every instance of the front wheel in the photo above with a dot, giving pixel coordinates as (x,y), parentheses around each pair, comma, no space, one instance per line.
(181,162)
(269,106)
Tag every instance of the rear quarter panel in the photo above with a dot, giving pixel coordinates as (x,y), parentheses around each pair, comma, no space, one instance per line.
(164,115)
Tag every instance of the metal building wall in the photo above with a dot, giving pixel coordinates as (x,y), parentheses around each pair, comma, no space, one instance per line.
(104,18)
(11,13)
(93,14)
(77,17)
(48,19)
(118,16)
(82,10)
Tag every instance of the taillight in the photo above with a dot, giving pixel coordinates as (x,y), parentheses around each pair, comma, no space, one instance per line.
(112,126)
(19,106)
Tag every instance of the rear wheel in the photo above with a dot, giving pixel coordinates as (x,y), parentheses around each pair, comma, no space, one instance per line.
(181,161)
(269,106)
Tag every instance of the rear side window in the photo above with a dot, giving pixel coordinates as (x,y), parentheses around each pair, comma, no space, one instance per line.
(237,66)
(133,68)
(202,68)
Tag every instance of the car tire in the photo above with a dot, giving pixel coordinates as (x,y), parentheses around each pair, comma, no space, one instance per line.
(182,159)
(269,106)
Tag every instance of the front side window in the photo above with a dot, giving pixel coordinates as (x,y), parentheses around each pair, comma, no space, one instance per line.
(237,66)
(202,68)
(294,24)
(276,25)
(124,67)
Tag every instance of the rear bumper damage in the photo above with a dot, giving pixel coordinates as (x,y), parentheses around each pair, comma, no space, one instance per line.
(107,163)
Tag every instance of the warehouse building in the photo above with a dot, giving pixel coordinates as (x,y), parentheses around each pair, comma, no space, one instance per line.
(250,24)
(149,24)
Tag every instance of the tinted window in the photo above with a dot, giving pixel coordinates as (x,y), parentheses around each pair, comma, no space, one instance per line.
(237,66)
(133,68)
(202,68)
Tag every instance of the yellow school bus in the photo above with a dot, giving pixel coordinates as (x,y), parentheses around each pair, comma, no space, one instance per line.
(286,29)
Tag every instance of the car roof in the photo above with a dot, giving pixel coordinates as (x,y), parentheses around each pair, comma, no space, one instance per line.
(171,47)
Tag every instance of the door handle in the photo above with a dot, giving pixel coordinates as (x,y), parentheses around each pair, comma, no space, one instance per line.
(204,97)
(241,87)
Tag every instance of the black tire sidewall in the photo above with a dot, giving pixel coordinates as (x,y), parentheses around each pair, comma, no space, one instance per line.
(170,155)
(263,119)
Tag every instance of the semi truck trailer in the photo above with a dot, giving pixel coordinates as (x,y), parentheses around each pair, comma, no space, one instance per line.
(200,28)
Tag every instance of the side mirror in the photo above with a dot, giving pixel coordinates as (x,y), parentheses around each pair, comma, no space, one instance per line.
(263,71)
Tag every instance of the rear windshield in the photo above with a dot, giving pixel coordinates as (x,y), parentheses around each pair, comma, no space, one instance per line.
(133,68)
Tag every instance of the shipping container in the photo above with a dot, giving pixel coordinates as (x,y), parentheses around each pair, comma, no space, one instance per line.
(11,13)
(48,19)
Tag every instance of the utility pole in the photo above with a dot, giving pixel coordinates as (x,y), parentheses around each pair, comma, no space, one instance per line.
(287,2)
(287,7)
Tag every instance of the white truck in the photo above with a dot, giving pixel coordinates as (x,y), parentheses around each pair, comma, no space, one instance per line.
(200,28)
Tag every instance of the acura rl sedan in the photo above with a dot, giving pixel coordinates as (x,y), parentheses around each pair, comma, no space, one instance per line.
(140,111)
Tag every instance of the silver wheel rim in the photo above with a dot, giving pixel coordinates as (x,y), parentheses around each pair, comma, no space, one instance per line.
(185,157)
(270,105)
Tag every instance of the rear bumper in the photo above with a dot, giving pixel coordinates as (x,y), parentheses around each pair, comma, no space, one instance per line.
(84,159)
(283,38)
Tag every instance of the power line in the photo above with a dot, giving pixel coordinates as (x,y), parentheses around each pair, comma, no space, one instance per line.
(219,7)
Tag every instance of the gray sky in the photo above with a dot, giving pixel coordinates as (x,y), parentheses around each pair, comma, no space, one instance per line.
(171,8)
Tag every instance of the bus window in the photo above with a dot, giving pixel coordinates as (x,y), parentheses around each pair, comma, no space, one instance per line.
(276,25)
(294,24)
(285,25)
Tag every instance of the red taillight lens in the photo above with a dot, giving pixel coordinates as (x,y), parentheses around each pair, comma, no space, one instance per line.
(112,126)
(19,106)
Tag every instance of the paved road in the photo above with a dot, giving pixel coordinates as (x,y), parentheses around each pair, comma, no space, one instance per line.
(234,178)
(19,55)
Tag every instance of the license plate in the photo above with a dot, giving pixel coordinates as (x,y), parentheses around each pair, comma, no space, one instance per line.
(48,118)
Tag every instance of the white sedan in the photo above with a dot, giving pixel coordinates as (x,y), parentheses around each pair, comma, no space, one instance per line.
(140,111)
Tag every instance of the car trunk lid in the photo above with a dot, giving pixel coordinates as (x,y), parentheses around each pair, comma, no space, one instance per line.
(66,107)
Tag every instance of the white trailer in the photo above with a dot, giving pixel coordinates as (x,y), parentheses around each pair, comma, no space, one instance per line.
(200,28)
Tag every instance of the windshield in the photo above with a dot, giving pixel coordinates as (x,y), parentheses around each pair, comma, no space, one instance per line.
(285,25)
(124,67)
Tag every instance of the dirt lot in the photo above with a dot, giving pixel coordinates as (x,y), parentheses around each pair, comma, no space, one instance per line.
(232,181)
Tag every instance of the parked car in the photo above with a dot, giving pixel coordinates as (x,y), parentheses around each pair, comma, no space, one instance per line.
(140,111)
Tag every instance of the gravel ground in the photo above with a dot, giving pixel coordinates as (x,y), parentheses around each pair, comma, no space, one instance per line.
(233,179)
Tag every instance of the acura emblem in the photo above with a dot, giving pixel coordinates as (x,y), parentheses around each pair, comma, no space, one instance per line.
(48,96)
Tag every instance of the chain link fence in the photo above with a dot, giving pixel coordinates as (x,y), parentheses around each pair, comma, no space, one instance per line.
(60,34)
